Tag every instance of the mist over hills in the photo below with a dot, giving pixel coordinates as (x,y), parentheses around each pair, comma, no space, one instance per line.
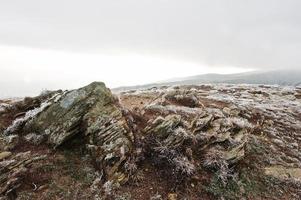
(276,77)
(22,88)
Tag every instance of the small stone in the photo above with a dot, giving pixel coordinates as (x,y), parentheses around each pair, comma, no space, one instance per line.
(227,111)
(284,173)
(172,196)
(5,154)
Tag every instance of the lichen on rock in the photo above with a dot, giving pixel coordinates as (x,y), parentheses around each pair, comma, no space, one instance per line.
(90,113)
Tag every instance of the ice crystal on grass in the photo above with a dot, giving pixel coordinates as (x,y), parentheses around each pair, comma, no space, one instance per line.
(174,158)
(183,165)
(215,160)
(130,166)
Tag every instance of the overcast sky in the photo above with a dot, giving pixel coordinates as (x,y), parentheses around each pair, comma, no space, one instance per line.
(68,43)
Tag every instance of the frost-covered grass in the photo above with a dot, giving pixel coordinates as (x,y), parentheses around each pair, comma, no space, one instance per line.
(183,165)
(215,160)
(175,159)
(174,109)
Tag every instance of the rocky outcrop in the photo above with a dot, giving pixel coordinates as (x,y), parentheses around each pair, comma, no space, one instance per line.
(180,136)
(90,113)
(244,139)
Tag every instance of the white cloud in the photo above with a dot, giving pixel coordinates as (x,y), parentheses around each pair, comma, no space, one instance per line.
(68,43)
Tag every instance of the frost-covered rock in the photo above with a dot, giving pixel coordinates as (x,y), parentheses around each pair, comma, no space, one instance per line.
(4,155)
(177,140)
(29,115)
(90,113)
(280,172)
(11,141)
(4,106)
(181,97)
(34,138)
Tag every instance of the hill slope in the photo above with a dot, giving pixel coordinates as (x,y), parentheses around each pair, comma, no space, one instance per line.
(198,141)
(281,77)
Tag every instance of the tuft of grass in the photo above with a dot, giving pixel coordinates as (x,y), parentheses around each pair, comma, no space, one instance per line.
(219,189)
(214,160)
(245,185)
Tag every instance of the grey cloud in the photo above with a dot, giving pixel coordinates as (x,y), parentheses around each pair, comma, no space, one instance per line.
(263,34)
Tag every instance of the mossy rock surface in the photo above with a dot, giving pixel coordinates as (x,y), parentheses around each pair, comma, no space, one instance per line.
(92,114)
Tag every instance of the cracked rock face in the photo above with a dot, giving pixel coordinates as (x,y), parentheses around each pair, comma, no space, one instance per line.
(91,113)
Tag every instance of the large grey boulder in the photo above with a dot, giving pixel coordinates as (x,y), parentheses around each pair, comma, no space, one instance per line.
(90,113)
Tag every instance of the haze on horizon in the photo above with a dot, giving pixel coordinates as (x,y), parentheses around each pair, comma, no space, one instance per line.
(68,43)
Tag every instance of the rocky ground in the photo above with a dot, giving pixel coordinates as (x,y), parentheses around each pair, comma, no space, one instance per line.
(181,142)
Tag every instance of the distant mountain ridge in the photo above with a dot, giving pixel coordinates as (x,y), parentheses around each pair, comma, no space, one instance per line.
(277,77)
